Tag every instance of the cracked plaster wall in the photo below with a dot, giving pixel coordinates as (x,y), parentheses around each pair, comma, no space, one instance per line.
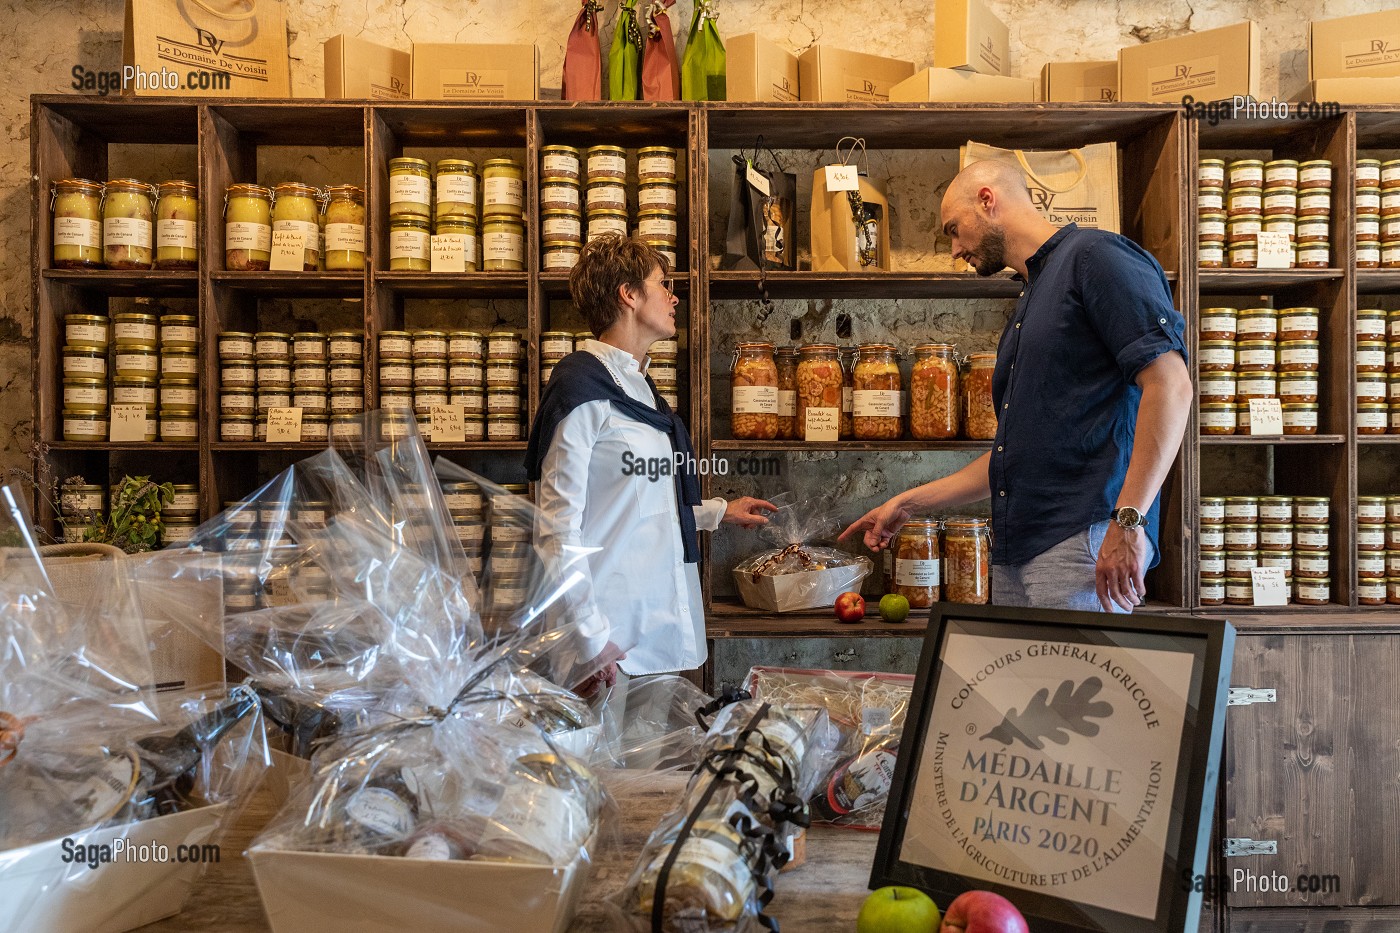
(43,41)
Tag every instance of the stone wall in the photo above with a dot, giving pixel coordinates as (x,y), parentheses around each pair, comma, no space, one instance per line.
(44,42)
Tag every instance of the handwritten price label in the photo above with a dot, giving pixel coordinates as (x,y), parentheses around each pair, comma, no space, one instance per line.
(1265,417)
(759,181)
(449,253)
(288,251)
(128,423)
(284,426)
(842,178)
(449,424)
(1275,252)
(823,424)
(1270,586)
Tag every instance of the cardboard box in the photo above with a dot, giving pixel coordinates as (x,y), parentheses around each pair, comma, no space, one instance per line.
(1365,46)
(42,893)
(968,36)
(1213,65)
(457,71)
(284,776)
(946,84)
(757,69)
(358,69)
(836,76)
(812,589)
(316,892)
(1079,81)
(1355,91)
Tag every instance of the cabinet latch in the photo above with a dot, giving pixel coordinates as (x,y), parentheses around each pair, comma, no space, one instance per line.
(1248,696)
(1238,847)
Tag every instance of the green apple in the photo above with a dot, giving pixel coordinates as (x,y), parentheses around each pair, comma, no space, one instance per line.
(897,910)
(894,607)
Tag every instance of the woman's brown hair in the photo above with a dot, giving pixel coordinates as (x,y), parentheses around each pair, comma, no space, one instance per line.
(606,265)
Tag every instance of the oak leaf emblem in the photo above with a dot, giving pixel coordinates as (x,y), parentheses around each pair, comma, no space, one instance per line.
(1054,719)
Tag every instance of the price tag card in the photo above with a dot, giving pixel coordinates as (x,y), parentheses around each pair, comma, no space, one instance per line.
(1265,417)
(757,179)
(1275,252)
(1270,586)
(288,251)
(842,178)
(128,423)
(823,425)
(449,253)
(449,424)
(284,425)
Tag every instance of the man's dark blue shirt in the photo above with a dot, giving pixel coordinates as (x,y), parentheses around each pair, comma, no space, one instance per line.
(1096,310)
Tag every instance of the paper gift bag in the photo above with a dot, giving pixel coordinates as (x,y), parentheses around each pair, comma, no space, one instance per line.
(1067,185)
(207,48)
(661,70)
(703,69)
(583,56)
(850,228)
(625,56)
(762,226)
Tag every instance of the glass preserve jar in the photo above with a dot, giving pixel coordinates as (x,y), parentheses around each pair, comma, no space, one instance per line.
(967,552)
(754,382)
(980,414)
(177,225)
(410,188)
(77,224)
(916,563)
(847,356)
(819,383)
(786,360)
(296,209)
(456,188)
(128,224)
(934,404)
(247,228)
(345,228)
(876,394)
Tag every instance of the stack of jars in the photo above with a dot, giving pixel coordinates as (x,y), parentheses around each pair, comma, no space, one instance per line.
(1377,214)
(1239,533)
(658,207)
(1237,201)
(1377,372)
(331,222)
(179,374)
(505,382)
(466,379)
(502,216)
(413,373)
(507,578)
(86,339)
(137,363)
(1378,550)
(467,508)
(311,389)
(933,560)
(323,375)
(665,370)
(80,506)
(605,191)
(561,207)
(126,224)
(1259,353)
(181,517)
(554,346)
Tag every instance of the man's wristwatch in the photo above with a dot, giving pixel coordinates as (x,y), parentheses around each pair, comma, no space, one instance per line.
(1128,518)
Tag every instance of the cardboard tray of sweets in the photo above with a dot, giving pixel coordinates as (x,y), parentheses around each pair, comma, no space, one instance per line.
(39,891)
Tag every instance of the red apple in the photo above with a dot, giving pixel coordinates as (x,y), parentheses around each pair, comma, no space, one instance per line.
(982,912)
(850,607)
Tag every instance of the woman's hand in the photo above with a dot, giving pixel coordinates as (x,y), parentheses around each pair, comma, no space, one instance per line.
(743,512)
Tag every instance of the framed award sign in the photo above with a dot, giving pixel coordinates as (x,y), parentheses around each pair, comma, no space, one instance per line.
(1065,760)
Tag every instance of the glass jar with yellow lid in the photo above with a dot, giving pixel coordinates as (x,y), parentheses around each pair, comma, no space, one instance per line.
(128,224)
(136,329)
(177,225)
(502,244)
(502,188)
(456,188)
(606,162)
(410,189)
(345,228)
(656,163)
(561,227)
(1219,323)
(76,205)
(409,244)
(464,228)
(86,330)
(247,228)
(560,163)
(296,209)
(179,331)
(604,223)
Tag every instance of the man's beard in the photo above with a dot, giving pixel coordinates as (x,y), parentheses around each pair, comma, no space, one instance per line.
(991,253)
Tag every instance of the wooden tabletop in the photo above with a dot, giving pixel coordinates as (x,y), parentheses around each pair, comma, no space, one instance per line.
(825,893)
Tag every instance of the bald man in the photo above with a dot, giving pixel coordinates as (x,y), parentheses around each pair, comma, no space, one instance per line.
(1092,396)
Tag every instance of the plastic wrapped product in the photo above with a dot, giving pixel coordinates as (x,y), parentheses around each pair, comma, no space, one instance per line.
(796,574)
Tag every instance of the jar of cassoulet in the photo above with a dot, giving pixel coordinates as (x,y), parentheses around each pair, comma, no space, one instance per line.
(754,382)
(877,394)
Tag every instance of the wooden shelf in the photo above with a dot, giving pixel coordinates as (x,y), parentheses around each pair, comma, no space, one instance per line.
(120,283)
(1286,440)
(294,284)
(479,446)
(220,447)
(881,285)
(455,284)
(848,446)
(732,619)
(1377,281)
(1382,439)
(556,284)
(128,446)
(1260,281)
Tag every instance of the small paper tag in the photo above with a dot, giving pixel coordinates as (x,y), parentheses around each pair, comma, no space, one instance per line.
(449,253)
(842,178)
(875,719)
(449,424)
(288,251)
(284,425)
(1275,252)
(757,179)
(128,423)
(1270,586)
(1265,417)
(823,425)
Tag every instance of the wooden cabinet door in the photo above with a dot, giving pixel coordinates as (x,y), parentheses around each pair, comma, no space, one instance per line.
(1317,772)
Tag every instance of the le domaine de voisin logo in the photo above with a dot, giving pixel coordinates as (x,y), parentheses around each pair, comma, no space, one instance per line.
(1059,215)
(213,52)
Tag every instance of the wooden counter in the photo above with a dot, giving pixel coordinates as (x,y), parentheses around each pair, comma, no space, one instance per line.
(823,894)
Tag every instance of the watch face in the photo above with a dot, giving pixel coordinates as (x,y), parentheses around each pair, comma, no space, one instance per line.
(1129,517)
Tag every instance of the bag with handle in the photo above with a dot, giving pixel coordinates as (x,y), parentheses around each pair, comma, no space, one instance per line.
(850,225)
(583,56)
(1067,185)
(661,70)
(703,68)
(625,56)
(762,226)
(244,40)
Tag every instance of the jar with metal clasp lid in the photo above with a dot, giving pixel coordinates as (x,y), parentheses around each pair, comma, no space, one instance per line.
(917,562)
(967,557)
(76,207)
(128,224)
(247,228)
(296,208)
